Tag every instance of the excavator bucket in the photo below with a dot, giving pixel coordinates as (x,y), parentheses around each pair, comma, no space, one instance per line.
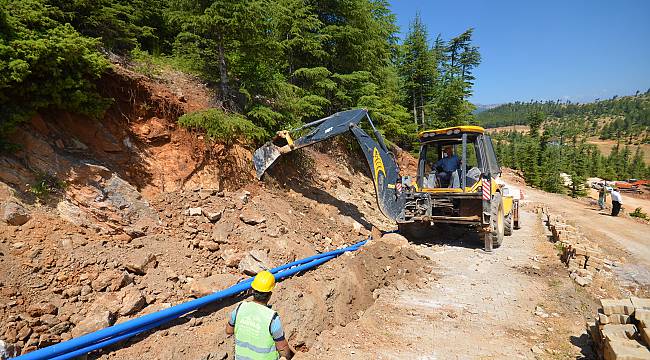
(322,129)
(381,162)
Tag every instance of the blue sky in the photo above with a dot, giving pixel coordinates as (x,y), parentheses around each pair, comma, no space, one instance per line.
(576,50)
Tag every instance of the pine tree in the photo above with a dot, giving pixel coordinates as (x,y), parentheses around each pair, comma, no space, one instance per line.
(418,69)
(637,168)
(531,164)
(535,120)
(551,180)
(624,162)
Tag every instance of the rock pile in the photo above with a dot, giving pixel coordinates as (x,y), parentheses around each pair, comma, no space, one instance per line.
(621,330)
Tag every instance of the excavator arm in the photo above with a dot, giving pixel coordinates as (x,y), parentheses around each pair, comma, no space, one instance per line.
(383,167)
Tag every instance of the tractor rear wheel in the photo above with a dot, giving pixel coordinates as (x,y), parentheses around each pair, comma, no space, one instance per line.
(497,219)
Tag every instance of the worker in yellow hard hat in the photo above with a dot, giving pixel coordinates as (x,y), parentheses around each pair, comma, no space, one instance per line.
(257,328)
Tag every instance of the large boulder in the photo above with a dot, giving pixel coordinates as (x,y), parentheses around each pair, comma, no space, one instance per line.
(14,213)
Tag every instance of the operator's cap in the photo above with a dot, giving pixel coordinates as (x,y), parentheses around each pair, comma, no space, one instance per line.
(264,282)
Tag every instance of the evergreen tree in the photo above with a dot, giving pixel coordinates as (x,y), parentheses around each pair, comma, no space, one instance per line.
(637,168)
(45,63)
(418,70)
(531,164)
(551,180)
(535,120)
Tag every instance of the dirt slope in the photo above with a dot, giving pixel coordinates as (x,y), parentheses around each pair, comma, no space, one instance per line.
(151,215)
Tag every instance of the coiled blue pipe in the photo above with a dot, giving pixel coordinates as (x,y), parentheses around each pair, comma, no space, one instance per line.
(113,334)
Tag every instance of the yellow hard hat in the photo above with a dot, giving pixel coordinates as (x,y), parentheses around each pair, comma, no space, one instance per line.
(264,281)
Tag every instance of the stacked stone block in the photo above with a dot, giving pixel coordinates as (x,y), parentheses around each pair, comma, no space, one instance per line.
(582,257)
(620,331)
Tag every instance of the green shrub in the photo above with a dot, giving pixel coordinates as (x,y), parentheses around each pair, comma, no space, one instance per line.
(44,63)
(222,127)
(46,185)
(638,213)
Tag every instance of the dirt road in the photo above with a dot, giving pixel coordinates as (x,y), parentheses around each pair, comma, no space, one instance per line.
(517,302)
(478,306)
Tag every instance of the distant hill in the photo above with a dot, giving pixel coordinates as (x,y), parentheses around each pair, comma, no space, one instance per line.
(618,117)
(481,108)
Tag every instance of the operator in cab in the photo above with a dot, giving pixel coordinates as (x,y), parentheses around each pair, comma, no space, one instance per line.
(447,165)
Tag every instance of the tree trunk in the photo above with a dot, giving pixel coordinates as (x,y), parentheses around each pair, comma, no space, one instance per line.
(223,74)
(422,105)
(415,111)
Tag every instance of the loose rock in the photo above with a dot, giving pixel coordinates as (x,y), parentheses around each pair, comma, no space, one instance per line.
(93,322)
(37,310)
(213,216)
(206,286)
(15,214)
(208,245)
(251,217)
(231,257)
(6,350)
(195,211)
(140,265)
(254,262)
(220,234)
(132,302)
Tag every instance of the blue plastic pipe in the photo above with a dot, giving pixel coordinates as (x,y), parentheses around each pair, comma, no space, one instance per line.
(113,334)
(128,335)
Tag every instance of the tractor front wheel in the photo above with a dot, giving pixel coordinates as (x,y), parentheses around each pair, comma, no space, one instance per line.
(507,229)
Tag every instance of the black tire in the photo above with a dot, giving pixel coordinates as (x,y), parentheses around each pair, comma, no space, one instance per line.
(517,222)
(497,220)
(507,228)
(414,231)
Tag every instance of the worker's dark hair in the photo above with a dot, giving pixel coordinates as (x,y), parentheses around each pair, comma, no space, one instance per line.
(261,296)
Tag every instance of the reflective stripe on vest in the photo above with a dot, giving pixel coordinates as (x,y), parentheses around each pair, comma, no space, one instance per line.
(253,340)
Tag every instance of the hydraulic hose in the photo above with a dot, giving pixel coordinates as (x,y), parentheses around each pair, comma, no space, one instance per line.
(113,334)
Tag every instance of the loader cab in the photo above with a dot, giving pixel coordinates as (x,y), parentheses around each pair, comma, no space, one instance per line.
(454,159)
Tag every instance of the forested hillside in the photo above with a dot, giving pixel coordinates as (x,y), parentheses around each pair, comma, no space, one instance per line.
(561,139)
(626,117)
(555,146)
(272,64)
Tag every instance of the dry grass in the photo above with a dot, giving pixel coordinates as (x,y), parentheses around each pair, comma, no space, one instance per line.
(517,128)
(606,146)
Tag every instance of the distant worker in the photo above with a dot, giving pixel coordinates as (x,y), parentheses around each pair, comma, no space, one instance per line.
(447,165)
(617,201)
(602,197)
(257,328)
